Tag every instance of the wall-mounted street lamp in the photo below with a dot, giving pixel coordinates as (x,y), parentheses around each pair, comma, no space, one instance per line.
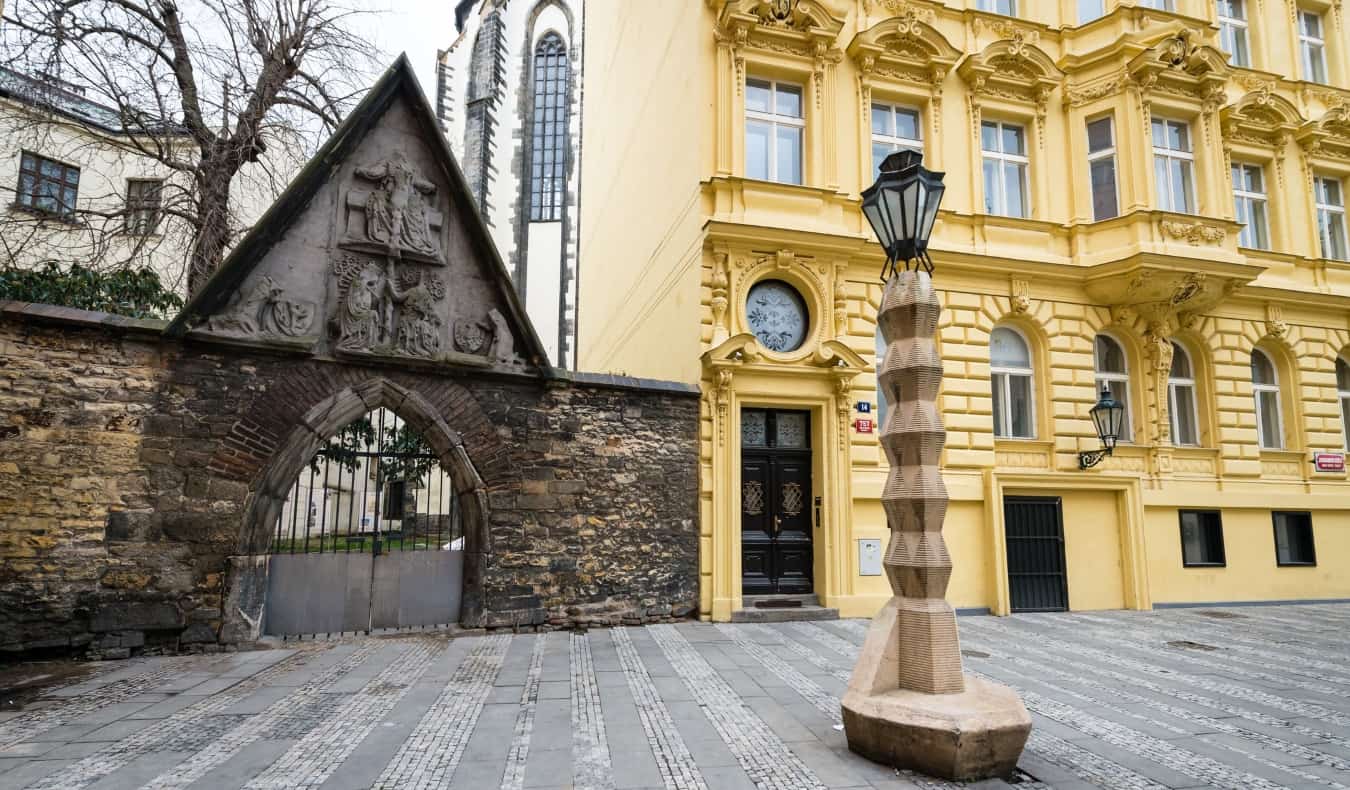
(1108,417)
(902,206)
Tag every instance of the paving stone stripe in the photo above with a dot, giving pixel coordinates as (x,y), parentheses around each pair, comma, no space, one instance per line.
(1294,750)
(768,762)
(1024,682)
(1261,660)
(824,701)
(514,776)
(194,721)
(590,748)
(29,724)
(1118,657)
(311,761)
(677,766)
(430,755)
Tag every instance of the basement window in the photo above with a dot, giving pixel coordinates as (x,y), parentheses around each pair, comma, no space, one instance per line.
(1293,538)
(1202,539)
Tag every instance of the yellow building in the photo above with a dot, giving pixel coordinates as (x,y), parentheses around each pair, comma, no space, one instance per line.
(1148,197)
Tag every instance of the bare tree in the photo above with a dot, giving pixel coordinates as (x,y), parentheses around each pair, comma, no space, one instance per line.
(226,97)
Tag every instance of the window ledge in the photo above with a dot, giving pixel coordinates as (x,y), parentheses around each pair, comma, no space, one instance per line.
(1295,564)
(46,215)
(1204,565)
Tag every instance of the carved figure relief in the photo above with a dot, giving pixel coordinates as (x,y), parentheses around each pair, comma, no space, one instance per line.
(503,344)
(265,311)
(397,215)
(380,309)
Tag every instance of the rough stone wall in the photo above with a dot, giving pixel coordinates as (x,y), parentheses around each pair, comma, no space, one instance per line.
(127,463)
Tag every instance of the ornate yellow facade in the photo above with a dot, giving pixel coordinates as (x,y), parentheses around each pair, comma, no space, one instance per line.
(675,231)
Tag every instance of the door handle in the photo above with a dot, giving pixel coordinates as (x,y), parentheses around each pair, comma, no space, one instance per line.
(777,525)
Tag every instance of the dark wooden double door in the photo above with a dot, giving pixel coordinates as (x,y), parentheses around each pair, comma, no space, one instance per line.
(776,503)
(1037,577)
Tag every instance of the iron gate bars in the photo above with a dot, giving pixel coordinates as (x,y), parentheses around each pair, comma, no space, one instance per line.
(375,487)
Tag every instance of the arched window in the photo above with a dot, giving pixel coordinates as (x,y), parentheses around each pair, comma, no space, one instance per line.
(1113,375)
(1266,389)
(549,131)
(1010,367)
(1343,394)
(1181,399)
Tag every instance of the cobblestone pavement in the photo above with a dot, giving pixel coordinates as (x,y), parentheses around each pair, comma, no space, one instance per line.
(1254,697)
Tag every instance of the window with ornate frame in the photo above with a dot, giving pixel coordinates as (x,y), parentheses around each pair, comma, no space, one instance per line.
(1174,165)
(1266,393)
(1312,46)
(1330,216)
(775,130)
(1343,395)
(1182,404)
(1101,140)
(1113,375)
(1013,384)
(894,127)
(1250,202)
(1233,31)
(1003,148)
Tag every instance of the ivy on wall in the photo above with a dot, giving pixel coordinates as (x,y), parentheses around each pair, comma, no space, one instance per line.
(135,293)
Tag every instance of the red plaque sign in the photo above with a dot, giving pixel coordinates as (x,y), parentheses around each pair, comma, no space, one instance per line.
(1329,462)
(864,426)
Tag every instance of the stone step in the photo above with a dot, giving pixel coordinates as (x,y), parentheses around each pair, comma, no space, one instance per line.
(787,615)
(806,599)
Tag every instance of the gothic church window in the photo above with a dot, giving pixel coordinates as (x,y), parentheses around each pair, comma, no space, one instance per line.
(549,131)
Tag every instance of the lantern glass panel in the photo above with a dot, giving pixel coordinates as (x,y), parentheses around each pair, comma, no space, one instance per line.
(872,210)
(935,191)
(909,211)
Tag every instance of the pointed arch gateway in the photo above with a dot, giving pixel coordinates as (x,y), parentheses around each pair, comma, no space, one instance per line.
(369,550)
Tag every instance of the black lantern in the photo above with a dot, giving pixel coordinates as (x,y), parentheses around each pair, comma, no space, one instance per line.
(902,206)
(1108,417)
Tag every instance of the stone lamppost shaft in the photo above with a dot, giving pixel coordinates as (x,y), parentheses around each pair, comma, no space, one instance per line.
(908,703)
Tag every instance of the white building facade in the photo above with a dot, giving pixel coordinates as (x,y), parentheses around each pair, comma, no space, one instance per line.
(509,98)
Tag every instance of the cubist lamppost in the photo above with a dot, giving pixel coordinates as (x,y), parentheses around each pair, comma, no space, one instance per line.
(908,703)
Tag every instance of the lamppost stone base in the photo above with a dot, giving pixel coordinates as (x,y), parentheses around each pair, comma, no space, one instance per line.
(975,730)
(976,734)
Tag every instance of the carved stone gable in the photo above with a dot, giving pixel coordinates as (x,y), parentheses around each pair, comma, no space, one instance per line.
(374,254)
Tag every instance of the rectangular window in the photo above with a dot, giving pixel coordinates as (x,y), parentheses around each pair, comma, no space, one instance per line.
(47,185)
(144,199)
(1294,538)
(894,128)
(1201,538)
(774,126)
(1249,198)
(1312,47)
(1102,168)
(1330,217)
(1233,31)
(1005,7)
(1005,168)
(1160,5)
(395,491)
(1089,10)
(1173,165)
(1181,393)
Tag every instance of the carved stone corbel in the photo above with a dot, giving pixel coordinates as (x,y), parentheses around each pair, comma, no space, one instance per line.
(719,301)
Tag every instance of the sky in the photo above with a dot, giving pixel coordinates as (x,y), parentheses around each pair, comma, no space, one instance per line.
(417,27)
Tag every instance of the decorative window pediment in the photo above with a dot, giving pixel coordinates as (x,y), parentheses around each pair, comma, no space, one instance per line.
(906,47)
(1328,136)
(796,27)
(1178,66)
(1260,117)
(1013,69)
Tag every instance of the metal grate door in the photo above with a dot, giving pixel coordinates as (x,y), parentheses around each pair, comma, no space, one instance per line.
(1037,581)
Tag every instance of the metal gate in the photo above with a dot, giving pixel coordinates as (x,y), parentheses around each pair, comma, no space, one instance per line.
(370,537)
(1036,570)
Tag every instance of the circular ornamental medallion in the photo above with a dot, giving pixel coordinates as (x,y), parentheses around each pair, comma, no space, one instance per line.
(471,337)
(777,315)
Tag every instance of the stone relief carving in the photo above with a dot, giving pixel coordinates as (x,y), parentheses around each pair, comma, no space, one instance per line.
(382,309)
(265,311)
(472,337)
(1192,232)
(503,344)
(396,215)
